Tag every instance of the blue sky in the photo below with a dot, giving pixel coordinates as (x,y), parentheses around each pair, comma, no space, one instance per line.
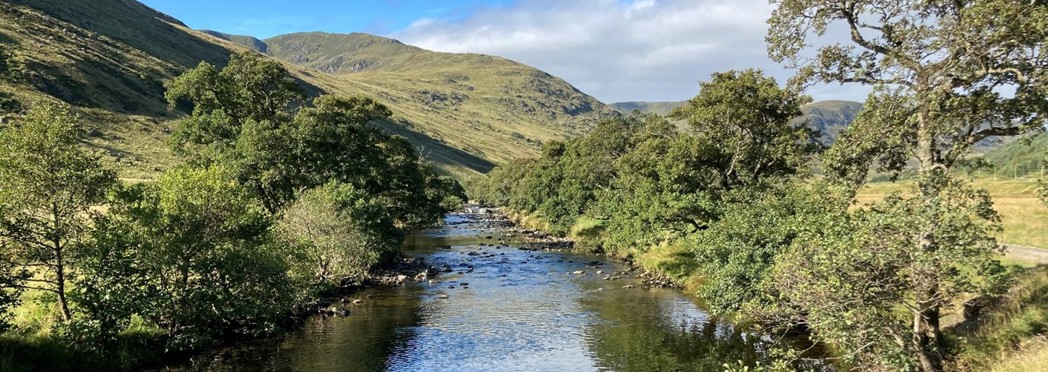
(614,50)
(267,18)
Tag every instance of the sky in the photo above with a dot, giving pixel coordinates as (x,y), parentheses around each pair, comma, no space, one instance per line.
(614,50)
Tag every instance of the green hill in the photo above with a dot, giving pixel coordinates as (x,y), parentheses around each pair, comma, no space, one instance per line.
(487,106)
(110,58)
(1019,158)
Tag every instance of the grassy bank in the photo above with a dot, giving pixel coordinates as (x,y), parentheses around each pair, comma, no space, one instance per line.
(1010,335)
(671,260)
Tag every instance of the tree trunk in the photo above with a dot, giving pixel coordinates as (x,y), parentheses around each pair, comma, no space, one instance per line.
(929,362)
(60,285)
(927,334)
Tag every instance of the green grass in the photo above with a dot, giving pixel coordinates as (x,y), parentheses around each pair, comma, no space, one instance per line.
(1010,333)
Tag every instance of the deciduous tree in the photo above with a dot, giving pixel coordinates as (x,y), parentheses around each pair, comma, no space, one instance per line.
(48,185)
(945,75)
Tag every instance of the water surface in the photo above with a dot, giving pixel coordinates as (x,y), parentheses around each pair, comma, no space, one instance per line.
(503,308)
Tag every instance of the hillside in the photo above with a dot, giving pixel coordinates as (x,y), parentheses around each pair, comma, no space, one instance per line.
(828,117)
(831,117)
(1019,158)
(110,58)
(488,106)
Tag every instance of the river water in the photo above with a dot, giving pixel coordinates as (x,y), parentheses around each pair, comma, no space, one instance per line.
(503,308)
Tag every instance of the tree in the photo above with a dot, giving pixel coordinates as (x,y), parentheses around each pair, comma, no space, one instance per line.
(755,227)
(337,232)
(862,286)
(251,116)
(204,246)
(944,75)
(48,185)
(949,74)
(749,120)
(674,184)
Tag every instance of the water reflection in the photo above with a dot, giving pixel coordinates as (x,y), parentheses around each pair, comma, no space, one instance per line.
(503,309)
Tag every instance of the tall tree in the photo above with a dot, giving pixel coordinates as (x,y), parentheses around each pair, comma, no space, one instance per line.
(47,186)
(945,75)
(251,116)
(749,119)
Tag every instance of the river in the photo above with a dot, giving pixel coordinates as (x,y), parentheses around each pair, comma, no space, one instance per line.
(503,308)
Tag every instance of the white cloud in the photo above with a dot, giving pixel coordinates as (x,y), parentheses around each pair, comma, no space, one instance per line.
(644,50)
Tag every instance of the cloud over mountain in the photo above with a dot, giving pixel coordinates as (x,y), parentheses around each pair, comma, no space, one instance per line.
(619,50)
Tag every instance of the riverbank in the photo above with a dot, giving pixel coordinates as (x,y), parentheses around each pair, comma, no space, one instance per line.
(662,266)
(1009,334)
(40,344)
(506,301)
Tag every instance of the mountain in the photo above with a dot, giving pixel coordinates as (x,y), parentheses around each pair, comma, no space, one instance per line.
(249,42)
(488,106)
(661,108)
(828,117)
(110,59)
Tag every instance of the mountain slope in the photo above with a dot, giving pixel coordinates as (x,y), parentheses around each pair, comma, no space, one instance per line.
(831,117)
(110,59)
(249,42)
(489,106)
(1019,158)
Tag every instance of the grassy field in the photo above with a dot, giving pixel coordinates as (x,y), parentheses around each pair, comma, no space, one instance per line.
(1023,216)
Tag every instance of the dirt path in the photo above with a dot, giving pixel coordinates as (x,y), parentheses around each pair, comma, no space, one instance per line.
(1039,255)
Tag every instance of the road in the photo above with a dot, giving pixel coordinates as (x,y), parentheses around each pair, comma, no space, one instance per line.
(1039,255)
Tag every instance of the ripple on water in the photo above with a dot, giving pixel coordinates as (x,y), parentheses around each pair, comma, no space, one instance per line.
(521,311)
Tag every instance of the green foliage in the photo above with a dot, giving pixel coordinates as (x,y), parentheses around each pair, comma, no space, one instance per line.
(1019,316)
(648,181)
(864,288)
(665,189)
(337,233)
(47,187)
(203,246)
(1020,158)
(938,70)
(756,226)
(252,117)
(749,120)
